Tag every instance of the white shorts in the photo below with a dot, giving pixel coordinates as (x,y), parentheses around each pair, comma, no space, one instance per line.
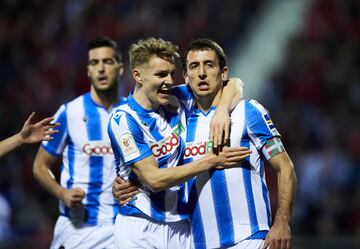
(141,233)
(248,244)
(86,236)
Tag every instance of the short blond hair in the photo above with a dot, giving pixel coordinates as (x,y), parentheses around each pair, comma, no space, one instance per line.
(141,52)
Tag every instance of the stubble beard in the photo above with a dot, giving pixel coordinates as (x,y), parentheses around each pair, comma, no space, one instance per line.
(109,91)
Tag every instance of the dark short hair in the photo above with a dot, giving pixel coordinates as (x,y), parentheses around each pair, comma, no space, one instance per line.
(104,41)
(205,44)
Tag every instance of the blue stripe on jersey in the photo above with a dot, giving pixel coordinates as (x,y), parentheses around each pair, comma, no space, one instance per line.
(245,142)
(183,208)
(258,235)
(222,207)
(265,193)
(115,147)
(170,118)
(115,211)
(197,227)
(253,115)
(71,162)
(151,122)
(145,117)
(182,92)
(93,126)
(192,122)
(135,129)
(158,200)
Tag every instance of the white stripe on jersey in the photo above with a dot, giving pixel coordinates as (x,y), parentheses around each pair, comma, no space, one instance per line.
(87,157)
(143,133)
(227,206)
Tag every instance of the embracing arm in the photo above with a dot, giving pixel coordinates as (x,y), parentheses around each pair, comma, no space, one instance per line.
(158,179)
(30,133)
(233,92)
(279,235)
(45,177)
(231,95)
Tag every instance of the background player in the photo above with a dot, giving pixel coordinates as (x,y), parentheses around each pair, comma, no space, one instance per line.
(87,207)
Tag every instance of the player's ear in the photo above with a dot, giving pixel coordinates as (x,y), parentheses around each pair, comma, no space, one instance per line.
(186,77)
(225,73)
(121,69)
(88,72)
(136,74)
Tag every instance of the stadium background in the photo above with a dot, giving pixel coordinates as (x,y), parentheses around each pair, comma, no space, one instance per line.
(311,87)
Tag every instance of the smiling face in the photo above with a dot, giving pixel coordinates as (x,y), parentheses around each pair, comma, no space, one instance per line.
(154,80)
(103,69)
(203,73)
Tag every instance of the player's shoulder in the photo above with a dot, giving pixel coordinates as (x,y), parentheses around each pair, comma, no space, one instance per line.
(75,107)
(123,111)
(240,107)
(250,106)
(76,102)
(256,106)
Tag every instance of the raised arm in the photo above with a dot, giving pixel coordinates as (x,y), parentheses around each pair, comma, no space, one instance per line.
(30,133)
(220,124)
(279,235)
(42,172)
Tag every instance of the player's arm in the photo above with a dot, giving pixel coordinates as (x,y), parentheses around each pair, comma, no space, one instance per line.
(279,235)
(220,124)
(42,172)
(158,179)
(30,133)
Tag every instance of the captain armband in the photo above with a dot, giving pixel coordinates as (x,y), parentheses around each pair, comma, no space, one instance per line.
(272,147)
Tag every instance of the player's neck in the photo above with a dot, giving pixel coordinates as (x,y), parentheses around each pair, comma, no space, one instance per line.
(143,100)
(204,103)
(105,98)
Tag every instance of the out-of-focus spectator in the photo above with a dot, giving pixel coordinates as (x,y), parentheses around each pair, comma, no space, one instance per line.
(315,98)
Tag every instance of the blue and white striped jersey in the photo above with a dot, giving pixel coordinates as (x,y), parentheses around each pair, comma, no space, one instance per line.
(87,157)
(137,133)
(227,206)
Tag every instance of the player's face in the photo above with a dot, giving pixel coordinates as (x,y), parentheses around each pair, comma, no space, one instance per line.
(156,79)
(203,73)
(103,69)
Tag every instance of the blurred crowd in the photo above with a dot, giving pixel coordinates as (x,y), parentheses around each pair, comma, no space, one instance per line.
(314,98)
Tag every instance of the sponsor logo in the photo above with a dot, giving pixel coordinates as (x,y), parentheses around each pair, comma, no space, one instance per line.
(168,144)
(197,149)
(97,148)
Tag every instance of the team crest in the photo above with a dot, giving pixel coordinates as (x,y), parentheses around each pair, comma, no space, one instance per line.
(127,144)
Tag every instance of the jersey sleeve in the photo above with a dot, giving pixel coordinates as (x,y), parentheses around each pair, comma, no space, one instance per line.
(184,94)
(259,124)
(127,138)
(56,146)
